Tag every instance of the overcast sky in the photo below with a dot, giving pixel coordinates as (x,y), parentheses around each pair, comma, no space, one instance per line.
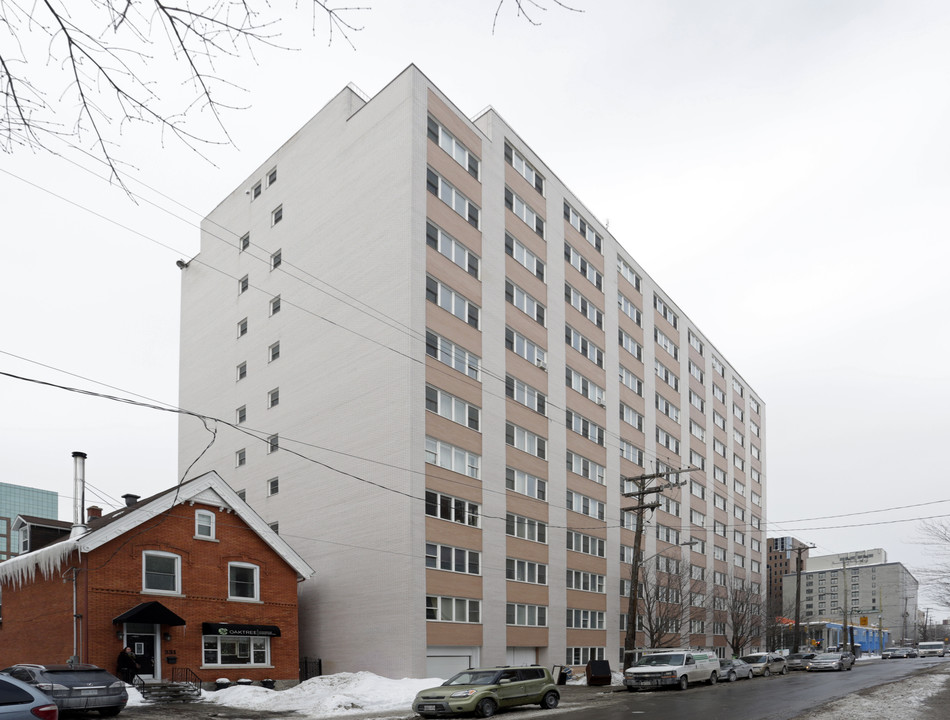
(780,168)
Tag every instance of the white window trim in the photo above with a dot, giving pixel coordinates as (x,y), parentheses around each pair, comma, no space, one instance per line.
(257,582)
(159,553)
(198,524)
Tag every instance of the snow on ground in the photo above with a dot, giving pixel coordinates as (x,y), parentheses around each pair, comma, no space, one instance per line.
(904,698)
(329,695)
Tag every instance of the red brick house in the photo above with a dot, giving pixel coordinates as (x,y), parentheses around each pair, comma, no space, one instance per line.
(190,578)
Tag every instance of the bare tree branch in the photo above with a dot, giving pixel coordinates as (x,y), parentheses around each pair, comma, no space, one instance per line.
(522,7)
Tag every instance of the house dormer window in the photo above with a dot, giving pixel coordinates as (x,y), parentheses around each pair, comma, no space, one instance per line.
(161,572)
(204,525)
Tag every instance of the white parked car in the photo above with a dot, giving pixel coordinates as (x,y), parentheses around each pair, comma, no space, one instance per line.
(663,668)
(765,664)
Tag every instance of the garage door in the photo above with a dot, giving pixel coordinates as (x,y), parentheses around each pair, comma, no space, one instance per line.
(522,655)
(445,666)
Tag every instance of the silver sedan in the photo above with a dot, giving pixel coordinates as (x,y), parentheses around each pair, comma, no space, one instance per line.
(734,669)
(831,661)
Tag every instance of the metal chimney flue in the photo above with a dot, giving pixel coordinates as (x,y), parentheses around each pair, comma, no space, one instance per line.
(79,494)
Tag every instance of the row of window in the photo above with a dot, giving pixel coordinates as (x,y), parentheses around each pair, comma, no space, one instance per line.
(161,573)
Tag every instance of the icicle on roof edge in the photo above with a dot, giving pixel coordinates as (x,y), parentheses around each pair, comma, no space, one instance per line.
(48,560)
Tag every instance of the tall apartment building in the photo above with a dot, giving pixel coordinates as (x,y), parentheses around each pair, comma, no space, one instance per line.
(22,500)
(857,585)
(409,320)
(783,559)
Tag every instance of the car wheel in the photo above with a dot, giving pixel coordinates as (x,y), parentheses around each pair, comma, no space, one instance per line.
(550,700)
(486,708)
(683,682)
(850,666)
(732,677)
(109,711)
(784,669)
(713,678)
(766,672)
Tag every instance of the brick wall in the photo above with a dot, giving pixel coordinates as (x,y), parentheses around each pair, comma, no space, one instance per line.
(37,627)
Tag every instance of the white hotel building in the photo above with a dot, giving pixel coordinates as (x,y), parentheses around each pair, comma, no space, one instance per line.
(438,366)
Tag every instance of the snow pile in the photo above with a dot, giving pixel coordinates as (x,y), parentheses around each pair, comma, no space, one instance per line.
(903,698)
(329,695)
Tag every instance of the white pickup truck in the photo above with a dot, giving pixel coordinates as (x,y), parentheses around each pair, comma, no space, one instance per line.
(659,668)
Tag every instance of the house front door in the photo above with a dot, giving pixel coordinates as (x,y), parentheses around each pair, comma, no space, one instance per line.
(144,648)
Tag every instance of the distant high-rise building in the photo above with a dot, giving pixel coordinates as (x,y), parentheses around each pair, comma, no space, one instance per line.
(407,321)
(783,559)
(22,500)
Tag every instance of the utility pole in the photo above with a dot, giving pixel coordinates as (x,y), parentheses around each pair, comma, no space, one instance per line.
(640,482)
(798,593)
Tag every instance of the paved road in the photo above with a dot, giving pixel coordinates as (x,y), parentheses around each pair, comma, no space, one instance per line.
(773,698)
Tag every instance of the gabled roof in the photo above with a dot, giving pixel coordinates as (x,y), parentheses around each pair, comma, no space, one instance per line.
(22,520)
(207,489)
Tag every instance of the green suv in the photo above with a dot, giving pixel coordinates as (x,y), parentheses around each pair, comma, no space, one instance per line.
(482,691)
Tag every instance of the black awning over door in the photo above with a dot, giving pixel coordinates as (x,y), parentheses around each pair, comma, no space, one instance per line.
(149,612)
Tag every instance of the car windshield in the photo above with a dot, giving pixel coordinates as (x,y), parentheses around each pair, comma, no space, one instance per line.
(473,677)
(661,659)
(829,656)
(754,659)
(796,656)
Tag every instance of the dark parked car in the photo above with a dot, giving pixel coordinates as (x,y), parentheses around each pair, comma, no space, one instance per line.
(895,653)
(75,687)
(797,661)
(734,669)
(20,701)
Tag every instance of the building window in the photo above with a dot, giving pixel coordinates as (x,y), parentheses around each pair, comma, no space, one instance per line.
(236,650)
(527,615)
(631,452)
(453,458)
(272,177)
(523,347)
(628,273)
(583,227)
(526,571)
(451,248)
(585,619)
(526,528)
(273,486)
(696,371)
(580,465)
(524,212)
(524,257)
(448,353)
(161,572)
(666,375)
(245,242)
(451,301)
(584,306)
(241,494)
(204,525)
(584,505)
(586,544)
(631,417)
(666,343)
(450,609)
(240,457)
(665,310)
(275,526)
(242,327)
(243,581)
(453,559)
(273,398)
(697,459)
(276,259)
(523,393)
(526,484)
(277,215)
(273,352)
(524,168)
(455,149)
(243,285)
(524,302)
(585,581)
(628,308)
(719,393)
(256,191)
(241,414)
(446,192)
(630,379)
(579,263)
(583,655)
(453,509)
(667,408)
(585,427)
(275,305)
(584,346)
(242,371)
(695,342)
(452,408)
(718,367)
(273,443)
(525,440)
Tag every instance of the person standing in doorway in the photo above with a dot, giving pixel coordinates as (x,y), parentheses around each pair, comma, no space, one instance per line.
(127,665)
